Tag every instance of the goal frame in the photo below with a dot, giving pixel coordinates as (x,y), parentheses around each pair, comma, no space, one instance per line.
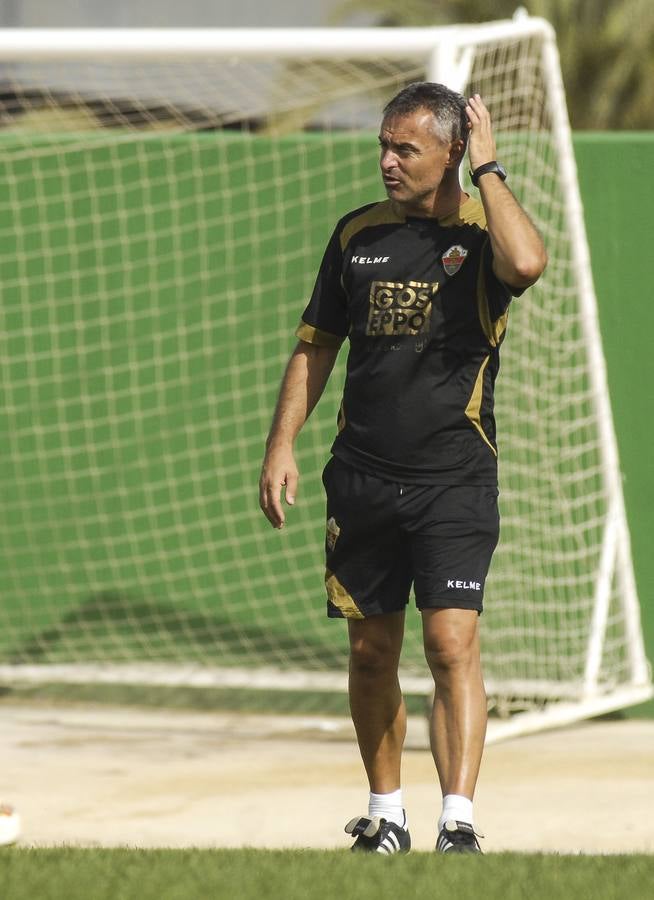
(448,58)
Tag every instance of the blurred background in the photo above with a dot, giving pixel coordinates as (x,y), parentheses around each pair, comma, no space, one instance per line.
(606,46)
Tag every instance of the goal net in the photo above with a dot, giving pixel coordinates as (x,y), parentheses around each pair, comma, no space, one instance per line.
(166,198)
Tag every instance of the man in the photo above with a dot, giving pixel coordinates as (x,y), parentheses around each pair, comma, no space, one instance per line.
(421,285)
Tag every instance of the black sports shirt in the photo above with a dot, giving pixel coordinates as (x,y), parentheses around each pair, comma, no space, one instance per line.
(425,316)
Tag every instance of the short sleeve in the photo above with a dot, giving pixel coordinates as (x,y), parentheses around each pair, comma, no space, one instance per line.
(325,320)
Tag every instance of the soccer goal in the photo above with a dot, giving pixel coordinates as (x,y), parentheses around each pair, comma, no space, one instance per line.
(166,198)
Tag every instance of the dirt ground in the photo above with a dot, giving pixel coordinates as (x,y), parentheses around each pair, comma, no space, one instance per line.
(107,777)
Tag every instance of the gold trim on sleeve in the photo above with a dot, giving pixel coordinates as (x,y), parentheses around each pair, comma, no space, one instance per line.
(494,331)
(317,336)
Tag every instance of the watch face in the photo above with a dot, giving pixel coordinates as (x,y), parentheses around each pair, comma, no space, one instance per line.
(501,171)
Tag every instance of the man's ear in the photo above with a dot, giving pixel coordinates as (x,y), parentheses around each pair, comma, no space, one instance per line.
(457,152)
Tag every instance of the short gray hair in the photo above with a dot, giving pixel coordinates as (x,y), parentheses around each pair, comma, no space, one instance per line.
(447,106)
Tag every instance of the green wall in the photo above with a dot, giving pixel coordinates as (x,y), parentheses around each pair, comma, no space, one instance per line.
(141,338)
(617,189)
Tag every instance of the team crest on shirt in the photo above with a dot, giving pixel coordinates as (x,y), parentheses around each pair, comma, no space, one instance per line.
(453,259)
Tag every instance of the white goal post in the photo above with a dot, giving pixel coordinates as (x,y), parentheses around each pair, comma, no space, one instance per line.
(166,197)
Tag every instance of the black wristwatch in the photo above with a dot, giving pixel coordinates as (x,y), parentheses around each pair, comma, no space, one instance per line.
(493,166)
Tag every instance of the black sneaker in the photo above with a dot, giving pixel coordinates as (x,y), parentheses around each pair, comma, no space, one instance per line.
(375,835)
(458,837)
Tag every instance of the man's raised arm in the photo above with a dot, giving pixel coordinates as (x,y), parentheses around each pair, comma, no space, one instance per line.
(519,256)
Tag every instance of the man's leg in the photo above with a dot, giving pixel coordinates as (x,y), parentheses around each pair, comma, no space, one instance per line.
(459,715)
(379,717)
(376,702)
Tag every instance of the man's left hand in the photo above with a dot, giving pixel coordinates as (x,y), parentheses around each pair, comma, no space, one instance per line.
(481,144)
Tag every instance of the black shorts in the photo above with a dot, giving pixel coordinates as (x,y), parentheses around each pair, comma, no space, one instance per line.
(383,538)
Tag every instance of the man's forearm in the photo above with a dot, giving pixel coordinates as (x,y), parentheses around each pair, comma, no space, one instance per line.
(304,381)
(519,255)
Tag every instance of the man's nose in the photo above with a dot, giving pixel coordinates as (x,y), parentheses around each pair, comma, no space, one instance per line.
(388,160)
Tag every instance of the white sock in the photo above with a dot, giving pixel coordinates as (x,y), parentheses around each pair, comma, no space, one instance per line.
(456,807)
(388,806)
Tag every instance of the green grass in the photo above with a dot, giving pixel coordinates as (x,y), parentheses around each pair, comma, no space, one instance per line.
(254,874)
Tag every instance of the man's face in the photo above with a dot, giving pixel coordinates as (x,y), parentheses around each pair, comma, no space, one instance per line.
(414,160)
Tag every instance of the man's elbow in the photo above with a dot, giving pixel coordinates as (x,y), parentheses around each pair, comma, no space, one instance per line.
(527,269)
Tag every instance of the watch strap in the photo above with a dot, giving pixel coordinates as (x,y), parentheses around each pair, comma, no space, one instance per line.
(492,166)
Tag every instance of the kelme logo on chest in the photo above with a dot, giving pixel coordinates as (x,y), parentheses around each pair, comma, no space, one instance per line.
(453,259)
(397,308)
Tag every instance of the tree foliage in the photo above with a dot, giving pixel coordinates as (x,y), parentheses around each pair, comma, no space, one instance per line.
(606,48)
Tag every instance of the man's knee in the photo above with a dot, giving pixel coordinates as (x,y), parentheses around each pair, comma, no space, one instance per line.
(371,659)
(448,655)
(374,651)
(451,643)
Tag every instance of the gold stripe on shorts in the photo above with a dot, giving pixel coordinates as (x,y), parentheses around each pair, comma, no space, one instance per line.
(340,598)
